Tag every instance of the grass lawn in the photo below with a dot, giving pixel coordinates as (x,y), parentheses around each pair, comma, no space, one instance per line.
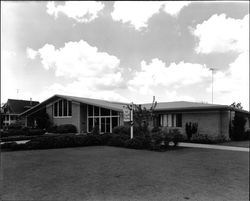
(245,143)
(109,173)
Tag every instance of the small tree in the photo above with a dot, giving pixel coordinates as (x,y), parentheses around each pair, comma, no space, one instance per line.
(143,116)
(191,128)
(43,121)
(236,105)
(238,128)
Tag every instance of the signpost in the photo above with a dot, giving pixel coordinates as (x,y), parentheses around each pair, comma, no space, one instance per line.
(128,117)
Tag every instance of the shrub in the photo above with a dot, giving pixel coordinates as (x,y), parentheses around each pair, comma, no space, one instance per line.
(206,139)
(13,132)
(95,130)
(238,128)
(172,135)
(66,128)
(136,143)
(122,130)
(15,126)
(155,130)
(104,138)
(191,129)
(35,132)
(52,129)
(117,140)
(247,134)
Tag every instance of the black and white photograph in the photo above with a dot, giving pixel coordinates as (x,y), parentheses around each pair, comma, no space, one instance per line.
(124,101)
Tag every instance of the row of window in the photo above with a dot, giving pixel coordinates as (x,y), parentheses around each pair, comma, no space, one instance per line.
(105,124)
(62,108)
(105,119)
(170,120)
(94,111)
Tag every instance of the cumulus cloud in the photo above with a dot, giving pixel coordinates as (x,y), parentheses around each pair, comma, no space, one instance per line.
(157,74)
(174,7)
(233,84)
(137,13)
(81,11)
(94,73)
(221,34)
(77,59)
(80,89)
(31,54)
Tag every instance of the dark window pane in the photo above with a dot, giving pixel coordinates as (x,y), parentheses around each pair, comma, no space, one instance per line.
(96,121)
(70,108)
(90,110)
(60,108)
(114,113)
(179,120)
(172,120)
(55,109)
(65,112)
(90,124)
(108,125)
(105,112)
(96,110)
(114,122)
(102,125)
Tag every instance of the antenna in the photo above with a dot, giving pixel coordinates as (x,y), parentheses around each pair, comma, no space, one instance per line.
(17,91)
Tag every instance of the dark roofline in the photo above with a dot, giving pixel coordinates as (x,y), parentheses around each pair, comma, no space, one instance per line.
(209,107)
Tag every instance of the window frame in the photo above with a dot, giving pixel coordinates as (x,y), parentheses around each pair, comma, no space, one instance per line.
(68,109)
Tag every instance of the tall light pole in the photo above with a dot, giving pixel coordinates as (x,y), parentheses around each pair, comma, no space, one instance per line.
(212,69)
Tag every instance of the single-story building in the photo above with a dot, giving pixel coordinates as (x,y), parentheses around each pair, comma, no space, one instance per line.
(85,113)
(12,109)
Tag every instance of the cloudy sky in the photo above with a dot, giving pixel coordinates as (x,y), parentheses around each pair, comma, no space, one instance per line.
(126,51)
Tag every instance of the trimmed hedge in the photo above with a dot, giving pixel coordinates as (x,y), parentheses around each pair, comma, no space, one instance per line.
(64,128)
(206,139)
(156,141)
(22,132)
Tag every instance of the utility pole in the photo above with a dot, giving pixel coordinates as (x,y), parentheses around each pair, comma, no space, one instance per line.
(212,69)
(17,91)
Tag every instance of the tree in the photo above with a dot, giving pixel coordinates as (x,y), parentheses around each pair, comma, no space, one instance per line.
(143,116)
(236,105)
(238,128)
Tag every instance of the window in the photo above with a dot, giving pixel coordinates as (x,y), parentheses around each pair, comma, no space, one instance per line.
(105,119)
(55,109)
(90,110)
(62,108)
(171,120)
(178,120)
(65,111)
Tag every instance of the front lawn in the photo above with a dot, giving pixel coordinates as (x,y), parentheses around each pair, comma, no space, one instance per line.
(245,143)
(110,173)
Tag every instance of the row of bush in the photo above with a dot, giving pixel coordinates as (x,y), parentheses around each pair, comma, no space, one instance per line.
(16,130)
(153,141)
(22,132)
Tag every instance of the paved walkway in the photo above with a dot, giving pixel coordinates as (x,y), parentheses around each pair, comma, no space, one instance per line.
(208,146)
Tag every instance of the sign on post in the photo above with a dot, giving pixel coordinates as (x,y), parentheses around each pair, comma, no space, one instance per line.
(126,113)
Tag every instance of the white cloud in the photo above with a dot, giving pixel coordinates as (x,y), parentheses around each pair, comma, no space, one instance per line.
(156,74)
(222,34)
(81,11)
(79,59)
(31,54)
(174,7)
(137,13)
(95,73)
(80,89)
(233,85)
